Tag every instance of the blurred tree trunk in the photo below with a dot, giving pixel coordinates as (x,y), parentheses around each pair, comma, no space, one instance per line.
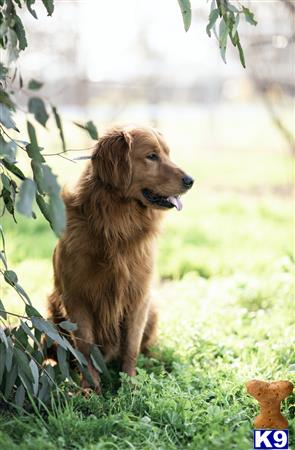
(269,73)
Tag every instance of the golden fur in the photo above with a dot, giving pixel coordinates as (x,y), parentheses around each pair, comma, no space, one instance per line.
(103,263)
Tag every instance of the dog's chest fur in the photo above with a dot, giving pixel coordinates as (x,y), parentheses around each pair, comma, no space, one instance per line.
(107,261)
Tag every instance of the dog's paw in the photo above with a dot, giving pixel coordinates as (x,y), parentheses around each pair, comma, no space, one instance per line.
(87,389)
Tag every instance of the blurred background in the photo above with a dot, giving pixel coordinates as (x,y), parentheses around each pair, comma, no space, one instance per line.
(231,128)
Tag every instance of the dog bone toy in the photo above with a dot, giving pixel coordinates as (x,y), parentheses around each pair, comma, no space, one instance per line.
(269,397)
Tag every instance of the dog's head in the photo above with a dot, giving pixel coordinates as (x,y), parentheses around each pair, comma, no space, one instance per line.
(136,162)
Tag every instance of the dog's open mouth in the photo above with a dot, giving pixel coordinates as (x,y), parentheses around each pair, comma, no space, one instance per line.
(161,201)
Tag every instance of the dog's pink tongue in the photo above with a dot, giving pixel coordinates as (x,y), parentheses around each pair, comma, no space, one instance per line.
(176,202)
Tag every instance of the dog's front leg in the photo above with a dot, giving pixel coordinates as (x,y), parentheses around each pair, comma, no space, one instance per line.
(134,327)
(84,339)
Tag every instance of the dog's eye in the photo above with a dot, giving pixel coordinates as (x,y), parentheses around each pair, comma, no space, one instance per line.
(153,157)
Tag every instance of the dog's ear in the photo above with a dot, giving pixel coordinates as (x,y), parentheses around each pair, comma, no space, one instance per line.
(111,159)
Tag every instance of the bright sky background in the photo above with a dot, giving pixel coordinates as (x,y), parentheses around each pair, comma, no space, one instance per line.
(109,40)
(109,37)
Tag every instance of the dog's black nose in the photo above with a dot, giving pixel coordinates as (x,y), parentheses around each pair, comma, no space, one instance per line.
(187,182)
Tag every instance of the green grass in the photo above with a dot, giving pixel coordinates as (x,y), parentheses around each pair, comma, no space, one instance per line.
(225,290)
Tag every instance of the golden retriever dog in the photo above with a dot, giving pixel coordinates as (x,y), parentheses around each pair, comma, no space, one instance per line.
(103,263)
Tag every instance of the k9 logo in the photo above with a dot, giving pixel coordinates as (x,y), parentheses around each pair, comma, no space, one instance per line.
(271,439)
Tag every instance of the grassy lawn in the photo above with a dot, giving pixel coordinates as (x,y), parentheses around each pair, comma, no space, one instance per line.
(225,287)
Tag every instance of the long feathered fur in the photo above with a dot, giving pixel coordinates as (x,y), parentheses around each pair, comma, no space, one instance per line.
(103,263)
